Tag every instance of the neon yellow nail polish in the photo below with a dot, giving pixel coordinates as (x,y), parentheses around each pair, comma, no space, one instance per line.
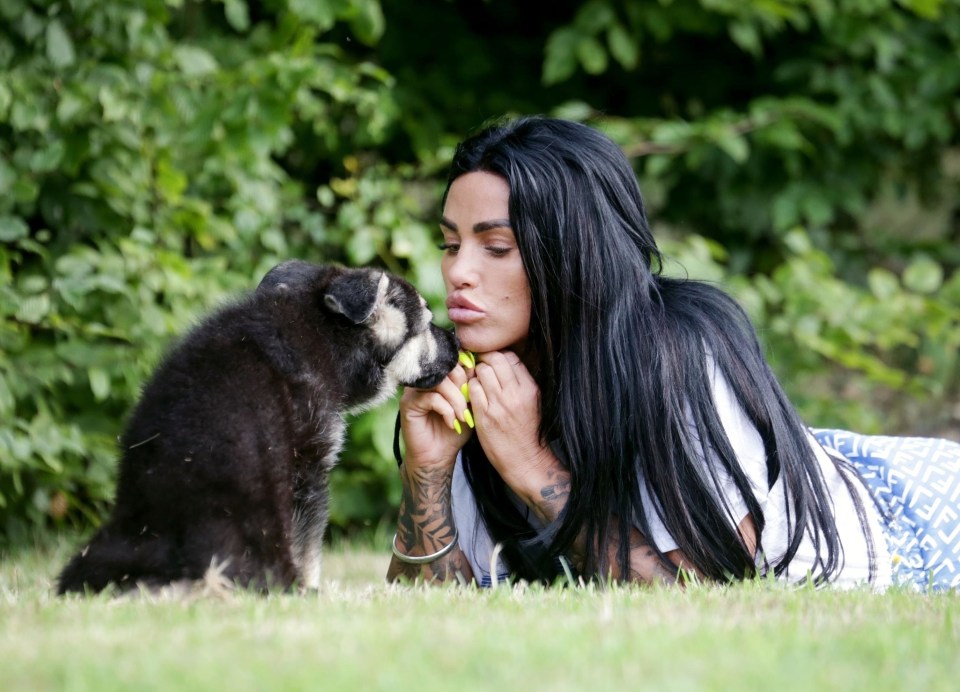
(456,426)
(467,359)
(468,417)
(465,390)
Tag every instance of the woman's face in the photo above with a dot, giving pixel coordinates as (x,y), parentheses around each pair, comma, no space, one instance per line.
(488,295)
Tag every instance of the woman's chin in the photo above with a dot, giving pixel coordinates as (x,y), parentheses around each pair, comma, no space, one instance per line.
(477,343)
(473,346)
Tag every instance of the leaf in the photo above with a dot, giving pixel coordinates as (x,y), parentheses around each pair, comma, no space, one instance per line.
(883,283)
(362,246)
(923,275)
(574,110)
(33,283)
(99,383)
(237,13)
(273,239)
(170,182)
(592,55)
(624,48)
(798,242)
(114,106)
(33,309)
(735,146)
(785,212)
(7,401)
(560,59)
(929,9)
(657,164)
(323,13)
(31,24)
(6,98)
(401,243)
(368,23)
(59,45)
(594,16)
(817,209)
(783,135)
(746,36)
(70,106)
(28,114)
(8,177)
(194,61)
(12,228)
(49,158)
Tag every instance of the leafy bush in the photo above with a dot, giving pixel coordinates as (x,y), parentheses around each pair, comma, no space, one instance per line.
(155,160)
(157,157)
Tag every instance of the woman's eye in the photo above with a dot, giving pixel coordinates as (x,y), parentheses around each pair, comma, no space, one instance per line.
(498,251)
(449,247)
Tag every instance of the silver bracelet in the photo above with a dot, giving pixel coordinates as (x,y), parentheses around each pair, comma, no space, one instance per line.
(424,559)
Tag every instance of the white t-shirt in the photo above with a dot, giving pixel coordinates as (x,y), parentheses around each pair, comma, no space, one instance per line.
(478,547)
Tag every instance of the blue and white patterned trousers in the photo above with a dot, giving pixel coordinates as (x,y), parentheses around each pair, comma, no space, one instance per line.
(915,482)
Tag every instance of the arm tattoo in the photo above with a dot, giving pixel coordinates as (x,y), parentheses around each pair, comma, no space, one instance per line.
(553,496)
(425,525)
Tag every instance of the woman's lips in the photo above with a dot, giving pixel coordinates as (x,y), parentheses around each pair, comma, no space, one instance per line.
(462,311)
(464,315)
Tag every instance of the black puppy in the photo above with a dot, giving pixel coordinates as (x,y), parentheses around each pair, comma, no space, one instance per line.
(226,458)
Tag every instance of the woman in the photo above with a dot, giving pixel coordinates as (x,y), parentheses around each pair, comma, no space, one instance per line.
(617,423)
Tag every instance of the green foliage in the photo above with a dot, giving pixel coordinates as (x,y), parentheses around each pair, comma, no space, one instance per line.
(157,157)
(849,355)
(848,129)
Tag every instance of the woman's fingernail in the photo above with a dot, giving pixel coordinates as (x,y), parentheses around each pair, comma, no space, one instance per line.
(467,360)
(456,426)
(465,390)
(468,417)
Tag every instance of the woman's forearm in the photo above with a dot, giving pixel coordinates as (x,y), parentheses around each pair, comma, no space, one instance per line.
(644,563)
(425,526)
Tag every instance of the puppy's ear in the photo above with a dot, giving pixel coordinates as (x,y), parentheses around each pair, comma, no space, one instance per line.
(288,275)
(356,295)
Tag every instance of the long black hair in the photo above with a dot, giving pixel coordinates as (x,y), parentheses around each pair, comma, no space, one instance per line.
(624,357)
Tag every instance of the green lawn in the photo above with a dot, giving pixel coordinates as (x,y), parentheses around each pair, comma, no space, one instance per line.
(360,634)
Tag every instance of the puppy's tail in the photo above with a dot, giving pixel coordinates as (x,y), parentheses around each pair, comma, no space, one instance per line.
(112,558)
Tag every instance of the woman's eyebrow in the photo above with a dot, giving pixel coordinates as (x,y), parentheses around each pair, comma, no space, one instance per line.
(477,227)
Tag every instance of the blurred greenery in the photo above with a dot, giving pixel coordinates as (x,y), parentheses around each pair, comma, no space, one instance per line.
(159,156)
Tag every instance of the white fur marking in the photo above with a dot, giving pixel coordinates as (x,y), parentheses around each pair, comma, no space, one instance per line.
(406,365)
(390,325)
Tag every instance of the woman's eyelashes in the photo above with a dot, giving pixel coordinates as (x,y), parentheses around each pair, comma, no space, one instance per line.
(452,247)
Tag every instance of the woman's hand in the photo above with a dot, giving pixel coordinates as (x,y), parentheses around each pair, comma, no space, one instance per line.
(506,407)
(433,422)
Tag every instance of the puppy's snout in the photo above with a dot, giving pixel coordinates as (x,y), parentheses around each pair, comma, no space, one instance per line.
(443,359)
(448,335)
(449,345)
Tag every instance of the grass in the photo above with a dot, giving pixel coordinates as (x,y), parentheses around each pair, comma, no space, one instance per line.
(359,633)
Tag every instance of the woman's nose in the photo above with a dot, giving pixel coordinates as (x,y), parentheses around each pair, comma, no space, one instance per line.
(461,268)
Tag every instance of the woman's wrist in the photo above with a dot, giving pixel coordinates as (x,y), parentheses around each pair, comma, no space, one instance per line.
(544,486)
(424,559)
